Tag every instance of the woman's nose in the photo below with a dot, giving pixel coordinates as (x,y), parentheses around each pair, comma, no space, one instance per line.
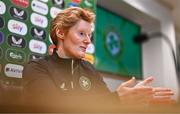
(87,40)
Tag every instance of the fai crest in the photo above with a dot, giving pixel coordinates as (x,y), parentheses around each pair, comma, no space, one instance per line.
(85,83)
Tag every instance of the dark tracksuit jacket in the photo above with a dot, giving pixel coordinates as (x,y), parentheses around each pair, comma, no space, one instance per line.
(54,84)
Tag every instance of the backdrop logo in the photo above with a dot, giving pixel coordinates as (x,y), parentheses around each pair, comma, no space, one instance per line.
(15,56)
(90,49)
(39,7)
(72,4)
(39,20)
(113,43)
(76,1)
(13,70)
(59,3)
(37,46)
(1,53)
(54,11)
(38,33)
(21,3)
(1,38)
(88,3)
(35,57)
(16,41)
(18,13)
(44,0)
(17,27)
(2,8)
(1,22)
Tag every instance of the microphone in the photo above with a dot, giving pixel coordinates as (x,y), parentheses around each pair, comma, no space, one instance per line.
(143,37)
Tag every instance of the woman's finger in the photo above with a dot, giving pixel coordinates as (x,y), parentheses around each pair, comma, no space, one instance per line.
(145,82)
(169,93)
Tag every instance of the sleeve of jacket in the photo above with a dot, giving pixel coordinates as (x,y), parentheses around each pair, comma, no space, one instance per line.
(36,86)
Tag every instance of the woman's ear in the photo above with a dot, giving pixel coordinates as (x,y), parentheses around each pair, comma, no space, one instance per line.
(59,34)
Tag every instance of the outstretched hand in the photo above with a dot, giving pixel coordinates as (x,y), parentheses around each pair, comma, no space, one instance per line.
(131,93)
(141,93)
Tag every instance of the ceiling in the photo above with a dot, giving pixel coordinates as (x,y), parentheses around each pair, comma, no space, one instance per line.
(174,6)
(146,21)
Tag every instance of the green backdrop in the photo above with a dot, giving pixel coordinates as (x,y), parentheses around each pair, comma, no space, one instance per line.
(116,51)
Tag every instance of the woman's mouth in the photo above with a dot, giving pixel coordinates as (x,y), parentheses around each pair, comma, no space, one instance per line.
(83,48)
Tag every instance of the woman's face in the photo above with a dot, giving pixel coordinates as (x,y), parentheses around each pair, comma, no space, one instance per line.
(77,39)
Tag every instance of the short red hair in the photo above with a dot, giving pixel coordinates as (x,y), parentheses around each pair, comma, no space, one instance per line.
(68,18)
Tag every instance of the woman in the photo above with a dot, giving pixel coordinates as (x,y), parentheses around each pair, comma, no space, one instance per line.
(64,82)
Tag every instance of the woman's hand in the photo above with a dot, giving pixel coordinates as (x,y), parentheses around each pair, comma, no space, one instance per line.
(131,93)
(141,93)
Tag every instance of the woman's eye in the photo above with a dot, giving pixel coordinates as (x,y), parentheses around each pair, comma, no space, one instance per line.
(81,33)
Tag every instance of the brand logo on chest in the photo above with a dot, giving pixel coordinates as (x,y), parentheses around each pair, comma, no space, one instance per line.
(85,83)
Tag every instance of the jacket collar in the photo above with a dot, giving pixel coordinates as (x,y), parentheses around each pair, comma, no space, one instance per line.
(63,61)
